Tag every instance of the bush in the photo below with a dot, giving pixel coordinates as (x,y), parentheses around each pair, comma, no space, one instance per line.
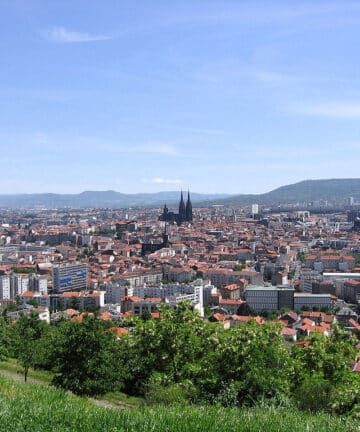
(313,394)
(345,397)
(163,393)
(228,396)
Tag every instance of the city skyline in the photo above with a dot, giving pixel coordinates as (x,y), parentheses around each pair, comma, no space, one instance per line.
(222,96)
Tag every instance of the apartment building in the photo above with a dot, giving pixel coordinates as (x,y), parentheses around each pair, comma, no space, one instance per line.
(69,277)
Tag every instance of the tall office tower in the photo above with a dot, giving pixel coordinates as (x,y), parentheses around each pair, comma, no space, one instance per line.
(69,277)
(255,209)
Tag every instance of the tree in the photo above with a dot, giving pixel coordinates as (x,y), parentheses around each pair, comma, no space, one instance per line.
(251,360)
(3,339)
(302,257)
(322,369)
(357,258)
(11,307)
(45,347)
(25,340)
(169,348)
(74,303)
(146,315)
(85,358)
(266,314)
(33,302)
(244,309)
(327,356)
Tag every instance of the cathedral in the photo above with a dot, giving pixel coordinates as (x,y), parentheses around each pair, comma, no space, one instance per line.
(185,212)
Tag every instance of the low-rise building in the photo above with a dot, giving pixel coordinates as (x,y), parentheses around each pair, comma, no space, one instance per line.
(270,298)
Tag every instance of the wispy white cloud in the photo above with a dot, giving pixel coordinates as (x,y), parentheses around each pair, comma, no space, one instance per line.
(270,77)
(63,35)
(249,12)
(163,149)
(283,78)
(160,149)
(160,180)
(340,110)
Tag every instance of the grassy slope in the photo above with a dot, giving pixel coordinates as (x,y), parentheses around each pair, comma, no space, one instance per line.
(12,365)
(30,407)
(44,377)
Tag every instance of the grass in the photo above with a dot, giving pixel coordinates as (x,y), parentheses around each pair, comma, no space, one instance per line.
(30,407)
(12,365)
(121,399)
(45,377)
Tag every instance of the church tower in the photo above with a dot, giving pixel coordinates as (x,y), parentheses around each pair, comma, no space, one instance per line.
(166,211)
(182,209)
(188,209)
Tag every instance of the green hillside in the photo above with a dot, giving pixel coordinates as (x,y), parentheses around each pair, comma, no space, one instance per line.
(29,407)
(304,191)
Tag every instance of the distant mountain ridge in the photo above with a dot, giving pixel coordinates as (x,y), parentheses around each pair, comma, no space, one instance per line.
(304,191)
(99,199)
(301,192)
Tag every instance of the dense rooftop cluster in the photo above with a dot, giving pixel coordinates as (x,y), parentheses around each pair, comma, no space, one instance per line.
(227,262)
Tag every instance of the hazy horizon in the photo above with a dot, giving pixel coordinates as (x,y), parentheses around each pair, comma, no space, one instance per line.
(178,191)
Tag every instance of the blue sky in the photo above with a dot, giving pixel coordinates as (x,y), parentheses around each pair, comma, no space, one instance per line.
(142,96)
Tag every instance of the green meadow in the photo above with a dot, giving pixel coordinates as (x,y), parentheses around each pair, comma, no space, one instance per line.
(36,408)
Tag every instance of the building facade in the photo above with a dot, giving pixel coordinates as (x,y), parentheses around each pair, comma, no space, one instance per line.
(69,277)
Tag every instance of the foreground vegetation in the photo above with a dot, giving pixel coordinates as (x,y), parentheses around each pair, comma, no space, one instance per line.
(29,407)
(12,365)
(183,359)
(13,369)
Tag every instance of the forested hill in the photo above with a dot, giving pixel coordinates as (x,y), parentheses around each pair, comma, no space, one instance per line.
(304,191)
(99,199)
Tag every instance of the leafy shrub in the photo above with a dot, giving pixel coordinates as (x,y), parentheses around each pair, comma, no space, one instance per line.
(345,397)
(313,394)
(160,391)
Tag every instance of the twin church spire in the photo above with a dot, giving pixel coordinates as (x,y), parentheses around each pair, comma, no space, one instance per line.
(185,212)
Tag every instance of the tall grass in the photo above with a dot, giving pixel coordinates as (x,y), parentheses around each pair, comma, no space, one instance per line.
(28,407)
(13,366)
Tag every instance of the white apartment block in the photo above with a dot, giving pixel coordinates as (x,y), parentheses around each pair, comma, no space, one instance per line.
(5,288)
(15,285)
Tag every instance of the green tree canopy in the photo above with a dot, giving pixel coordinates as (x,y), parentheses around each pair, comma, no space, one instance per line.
(85,358)
(26,336)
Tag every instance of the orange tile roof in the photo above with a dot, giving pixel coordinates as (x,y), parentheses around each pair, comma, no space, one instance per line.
(71,312)
(119,331)
(231,301)
(28,294)
(132,298)
(231,287)
(286,331)
(153,299)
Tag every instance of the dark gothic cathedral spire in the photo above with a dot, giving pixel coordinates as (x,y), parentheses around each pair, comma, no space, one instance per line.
(185,212)
(182,209)
(188,209)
